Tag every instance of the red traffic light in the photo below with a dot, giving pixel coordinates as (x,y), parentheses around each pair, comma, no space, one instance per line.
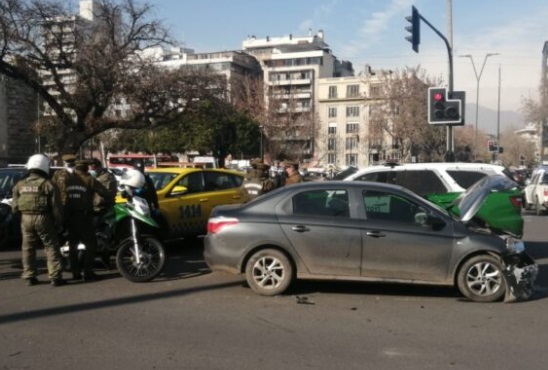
(438,97)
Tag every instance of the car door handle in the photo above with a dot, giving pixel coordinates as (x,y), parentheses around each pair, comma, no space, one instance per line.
(375,234)
(300,228)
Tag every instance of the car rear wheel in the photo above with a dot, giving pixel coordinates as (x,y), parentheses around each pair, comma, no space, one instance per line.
(269,272)
(481,279)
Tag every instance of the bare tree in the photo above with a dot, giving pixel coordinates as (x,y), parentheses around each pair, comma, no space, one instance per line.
(288,126)
(398,120)
(40,40)
(536,112)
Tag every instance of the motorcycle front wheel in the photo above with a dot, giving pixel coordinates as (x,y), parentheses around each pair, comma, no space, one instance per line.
(151,260)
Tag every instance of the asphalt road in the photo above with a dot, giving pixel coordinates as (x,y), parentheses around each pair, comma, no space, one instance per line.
(190,318)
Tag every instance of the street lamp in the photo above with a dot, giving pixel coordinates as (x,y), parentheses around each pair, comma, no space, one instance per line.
(478,76)
(261,143)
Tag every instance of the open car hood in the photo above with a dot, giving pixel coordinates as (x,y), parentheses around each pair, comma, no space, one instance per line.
(471,200)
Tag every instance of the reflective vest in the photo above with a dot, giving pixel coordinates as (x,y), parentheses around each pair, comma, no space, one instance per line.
(32,196)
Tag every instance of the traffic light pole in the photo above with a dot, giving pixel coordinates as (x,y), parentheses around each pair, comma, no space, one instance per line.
(450,155)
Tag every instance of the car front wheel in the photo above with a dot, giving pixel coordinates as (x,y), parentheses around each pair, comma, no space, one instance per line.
(269,272)
(481,279)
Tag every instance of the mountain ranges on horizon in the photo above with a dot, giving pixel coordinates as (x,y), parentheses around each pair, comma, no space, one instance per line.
(487,119)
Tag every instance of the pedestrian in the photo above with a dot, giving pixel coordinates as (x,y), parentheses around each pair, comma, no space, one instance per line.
(37,201)
(257,181)
(81,188)
(292,171)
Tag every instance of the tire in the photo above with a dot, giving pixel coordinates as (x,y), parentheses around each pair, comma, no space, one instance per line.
(481,279)
(269,272)
(152,260)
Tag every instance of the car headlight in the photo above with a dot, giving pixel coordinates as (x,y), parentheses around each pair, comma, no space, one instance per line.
(515,246)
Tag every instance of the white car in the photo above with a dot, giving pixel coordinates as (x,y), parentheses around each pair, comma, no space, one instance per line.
(427,178)
(536,192)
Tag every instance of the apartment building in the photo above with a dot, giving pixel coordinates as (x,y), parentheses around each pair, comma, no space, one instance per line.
(345,108)
(292,67)
(59,36)
(234,65)
(18,113)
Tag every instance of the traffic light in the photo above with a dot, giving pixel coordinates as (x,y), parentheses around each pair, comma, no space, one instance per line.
(492,146)
(415,29)
(441,109)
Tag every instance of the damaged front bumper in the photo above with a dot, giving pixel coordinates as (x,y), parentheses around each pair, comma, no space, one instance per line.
(520,272)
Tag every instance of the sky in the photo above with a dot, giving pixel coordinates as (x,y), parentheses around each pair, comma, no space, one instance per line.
(373,32)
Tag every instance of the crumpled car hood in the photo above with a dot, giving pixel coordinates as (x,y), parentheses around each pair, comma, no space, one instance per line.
(471,200)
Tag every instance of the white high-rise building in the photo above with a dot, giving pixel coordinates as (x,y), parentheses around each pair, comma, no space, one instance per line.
(292,67)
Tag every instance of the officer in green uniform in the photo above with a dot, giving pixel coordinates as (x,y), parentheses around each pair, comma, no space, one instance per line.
(80,190)
(38,202)
(257,181)
(292,171)
(59,177)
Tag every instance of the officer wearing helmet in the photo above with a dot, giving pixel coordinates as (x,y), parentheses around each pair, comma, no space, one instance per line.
(148,191)
(37,200)
(81,188)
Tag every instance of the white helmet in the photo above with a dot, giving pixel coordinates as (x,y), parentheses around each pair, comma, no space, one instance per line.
(38,162)
(133,178)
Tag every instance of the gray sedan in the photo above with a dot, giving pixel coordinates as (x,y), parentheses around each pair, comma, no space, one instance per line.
(366,231)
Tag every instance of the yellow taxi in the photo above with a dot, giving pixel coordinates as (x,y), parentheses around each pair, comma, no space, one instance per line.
(187,195)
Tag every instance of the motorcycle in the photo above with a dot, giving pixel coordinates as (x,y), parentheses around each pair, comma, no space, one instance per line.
(127,235)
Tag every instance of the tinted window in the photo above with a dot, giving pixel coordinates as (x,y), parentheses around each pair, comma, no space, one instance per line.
(465,179)
(215,181)
(386,206)
(193,182)
(161,179)
(382,176)
(332,203)
(421,182)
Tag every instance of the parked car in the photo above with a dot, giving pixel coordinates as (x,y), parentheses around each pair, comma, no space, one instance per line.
(535,193)
(443,182)
(187,195)
(368,231)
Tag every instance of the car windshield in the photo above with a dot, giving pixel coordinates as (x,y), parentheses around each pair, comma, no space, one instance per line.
(161,179)
(8,179)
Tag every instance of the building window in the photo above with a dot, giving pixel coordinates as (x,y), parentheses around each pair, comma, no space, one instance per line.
(331,158)
(332,112)
(351,143)
(332,92)
(352,128)
(353,111)
(332,130)
(375,91)
(352,91)
(351,159)
(332,144)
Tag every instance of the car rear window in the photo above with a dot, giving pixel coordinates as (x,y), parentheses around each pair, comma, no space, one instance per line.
(421,182)
(465,179)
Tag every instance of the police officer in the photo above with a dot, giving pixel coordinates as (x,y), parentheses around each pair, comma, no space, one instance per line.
(108,180)
(257,181)
(104,217)
(80,190)
(292,171)
(148,191)
(60,176)
(38,202)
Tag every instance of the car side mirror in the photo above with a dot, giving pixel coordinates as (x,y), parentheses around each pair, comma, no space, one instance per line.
(178,190)
(434,222)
